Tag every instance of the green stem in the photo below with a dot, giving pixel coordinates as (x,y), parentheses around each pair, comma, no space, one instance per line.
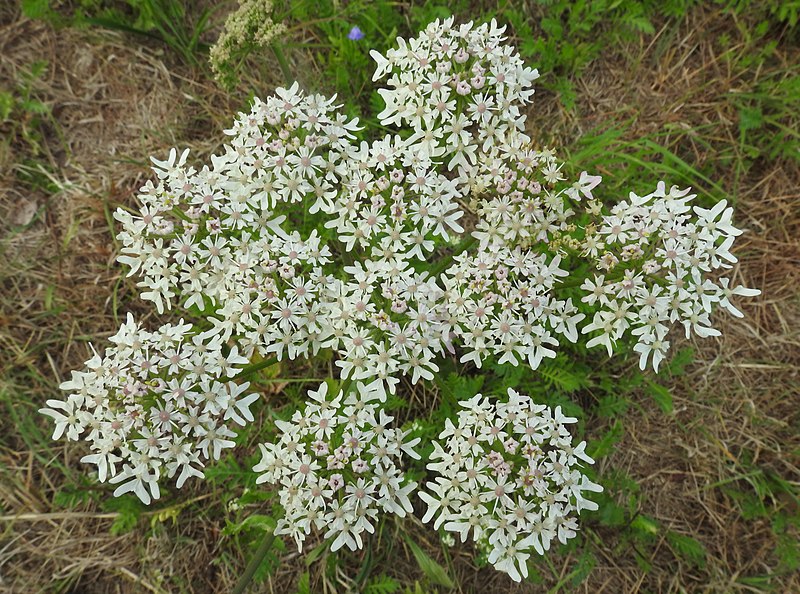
(284,64)
(249,370)
(345,385)
(465,244)
(254,564)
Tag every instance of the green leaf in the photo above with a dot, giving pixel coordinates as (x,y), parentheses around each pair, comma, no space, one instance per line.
(129,509)
(434,572)
(71,496)
(662,396)
(750,118)
(6,105)
(641,23)
(558,374)
(35,9)
(787,550)
(258,522)
(612,406)
(677,365)
(316,552)
(605,444)
(644,526)
(270,562)
(303,585)
(34,106)
(609,512)
(586,562)
(687,548)
(464,387)
(381,584)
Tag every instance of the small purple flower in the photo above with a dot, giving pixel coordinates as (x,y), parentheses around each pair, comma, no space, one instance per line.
(355,34)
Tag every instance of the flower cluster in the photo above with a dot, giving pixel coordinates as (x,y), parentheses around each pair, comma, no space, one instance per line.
(157,403)
(458,88)
(213,234)
(250,25)
(395,204)
(520,201)
(454,234)
(385,322)
(502,304)
(509,476)
(337,465)
(655,255)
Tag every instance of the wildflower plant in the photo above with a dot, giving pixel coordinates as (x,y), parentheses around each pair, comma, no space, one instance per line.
(451,234)
(250,25)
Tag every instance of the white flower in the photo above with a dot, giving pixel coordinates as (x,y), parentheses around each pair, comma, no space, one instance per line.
(145,406)
(672,264)
(337,466)
(508,497)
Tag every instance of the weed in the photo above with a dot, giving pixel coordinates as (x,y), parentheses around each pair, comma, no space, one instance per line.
(564,39)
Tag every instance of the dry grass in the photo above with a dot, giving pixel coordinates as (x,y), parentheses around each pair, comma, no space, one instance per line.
(114,101)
